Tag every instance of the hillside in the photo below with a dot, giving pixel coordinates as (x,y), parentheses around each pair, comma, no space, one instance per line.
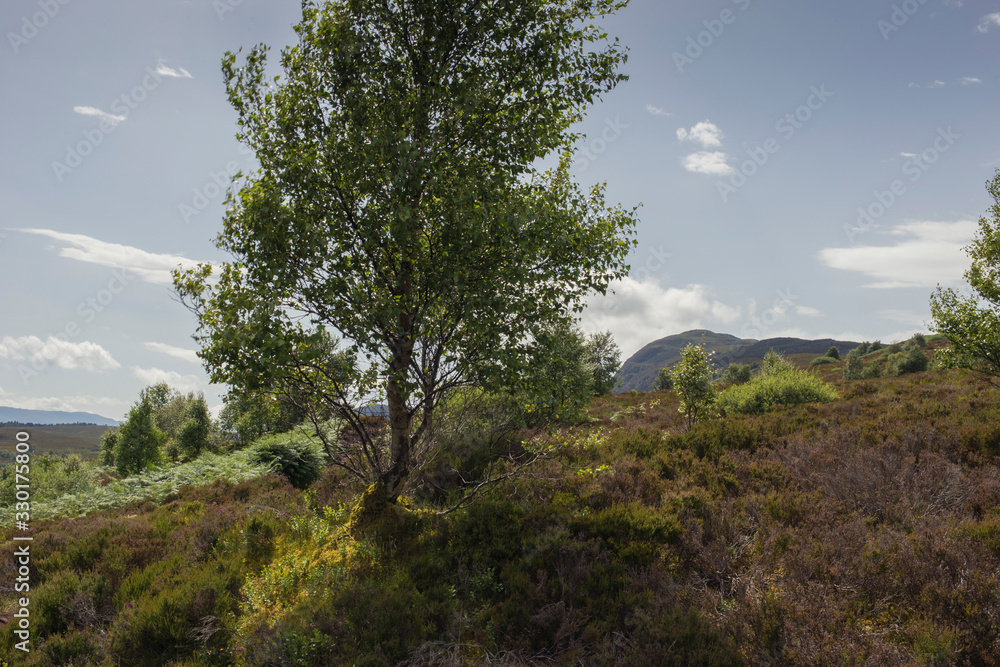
(639,371)
(48,417)
(82,439)
(861,531)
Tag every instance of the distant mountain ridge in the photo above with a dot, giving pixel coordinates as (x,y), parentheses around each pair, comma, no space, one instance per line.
(639,371)
(49,417)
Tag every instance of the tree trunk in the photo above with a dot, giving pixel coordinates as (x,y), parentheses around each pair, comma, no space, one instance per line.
(399,430)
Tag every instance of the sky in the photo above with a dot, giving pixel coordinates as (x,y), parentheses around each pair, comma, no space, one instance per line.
(807,169)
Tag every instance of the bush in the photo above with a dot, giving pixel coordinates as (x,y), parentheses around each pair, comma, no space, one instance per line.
(294,455)
(914,361)
(664,381)
(775,364)
(871,371)
(692,378)
(833,353)
(823,360)
(736,374)
(138,442)
(765,391)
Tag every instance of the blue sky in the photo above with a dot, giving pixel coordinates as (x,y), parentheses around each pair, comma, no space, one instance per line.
(804,168)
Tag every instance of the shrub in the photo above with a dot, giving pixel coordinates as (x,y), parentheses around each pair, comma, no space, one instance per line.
(192,435)
(138,442)
(765,391)
(664,381)
(914,361)
(856,369)
(823,360)
(775,364)
(294,456)
(736,374)
(833,353)
(871,371)
(692,378)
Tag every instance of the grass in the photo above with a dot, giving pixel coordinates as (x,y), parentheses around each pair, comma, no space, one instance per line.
(154,485)
(864,530)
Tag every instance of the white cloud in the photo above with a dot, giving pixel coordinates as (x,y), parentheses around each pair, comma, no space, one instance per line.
(968,80)
(938,84)
(163,70)
(640,312)
(808,311)
(930,253)
(176,352)
(657,111)
(705,133)
(988,21)
(151,267)
(704,162)
(908,156)
(103,115)
(56,352)
(182,383)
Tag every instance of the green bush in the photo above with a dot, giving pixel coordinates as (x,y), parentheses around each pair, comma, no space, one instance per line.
(789,387)
(692,378)
(871,371)
(823,360)
(775,364)
(736,374)
(914,361)
(833,353)
(664,380)
(294,456)
(52,476)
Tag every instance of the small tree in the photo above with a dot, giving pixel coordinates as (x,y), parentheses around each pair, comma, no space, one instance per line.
(605,358)
(398,202)
(775,364)
(139,441)
(109,443)
(664,380)
(972,323)
(833,353)
(914,361)
(692,378)
(853,364)
(193,434)
(561,382)
(736,374)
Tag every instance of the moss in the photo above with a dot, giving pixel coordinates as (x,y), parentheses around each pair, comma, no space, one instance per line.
(373,516)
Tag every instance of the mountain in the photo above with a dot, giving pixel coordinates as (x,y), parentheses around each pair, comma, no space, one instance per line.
(639,371)
(52,417)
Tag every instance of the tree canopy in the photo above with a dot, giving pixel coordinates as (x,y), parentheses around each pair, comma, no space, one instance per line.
(971,323)
(398,204)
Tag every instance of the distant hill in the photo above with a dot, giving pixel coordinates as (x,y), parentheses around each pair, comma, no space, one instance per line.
(48,417)
(639,371)
(82,439)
